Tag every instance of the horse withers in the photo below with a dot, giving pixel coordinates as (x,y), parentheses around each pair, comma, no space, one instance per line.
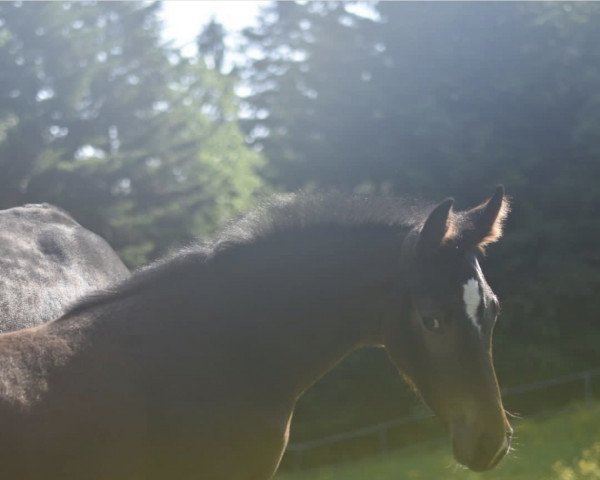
(191,368)
(47,261)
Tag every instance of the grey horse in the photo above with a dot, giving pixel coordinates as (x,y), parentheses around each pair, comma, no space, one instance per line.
(47,261)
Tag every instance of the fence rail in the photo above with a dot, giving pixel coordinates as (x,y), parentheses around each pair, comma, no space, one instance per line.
(382,430)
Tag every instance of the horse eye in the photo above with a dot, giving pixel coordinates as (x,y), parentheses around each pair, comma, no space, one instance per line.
(432,324)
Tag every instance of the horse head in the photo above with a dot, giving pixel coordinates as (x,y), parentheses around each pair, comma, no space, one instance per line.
(443,343)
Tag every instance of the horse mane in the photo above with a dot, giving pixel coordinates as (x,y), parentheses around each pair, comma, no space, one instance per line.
(275,215)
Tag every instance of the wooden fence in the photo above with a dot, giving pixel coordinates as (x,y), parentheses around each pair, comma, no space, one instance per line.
(382,430)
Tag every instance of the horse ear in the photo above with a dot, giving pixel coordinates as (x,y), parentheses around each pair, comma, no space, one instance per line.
(486,220)
(436,228)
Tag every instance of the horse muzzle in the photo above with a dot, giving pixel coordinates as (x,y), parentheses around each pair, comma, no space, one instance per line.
(479,449)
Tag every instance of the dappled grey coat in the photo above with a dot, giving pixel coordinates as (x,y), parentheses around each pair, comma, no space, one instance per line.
(47,260)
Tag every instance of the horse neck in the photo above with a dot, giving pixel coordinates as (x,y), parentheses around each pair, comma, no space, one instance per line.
(304,301)
(267,318)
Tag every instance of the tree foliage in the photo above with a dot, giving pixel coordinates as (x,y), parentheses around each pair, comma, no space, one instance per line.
(98,116)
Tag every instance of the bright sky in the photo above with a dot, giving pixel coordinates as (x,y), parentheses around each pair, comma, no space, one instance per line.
(185,18)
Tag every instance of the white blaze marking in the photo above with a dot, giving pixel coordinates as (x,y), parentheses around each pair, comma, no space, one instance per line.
(472,299)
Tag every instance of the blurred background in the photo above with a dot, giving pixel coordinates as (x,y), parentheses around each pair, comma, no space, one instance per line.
(152,124)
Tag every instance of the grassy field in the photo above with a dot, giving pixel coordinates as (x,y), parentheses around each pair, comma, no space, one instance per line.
(562,446)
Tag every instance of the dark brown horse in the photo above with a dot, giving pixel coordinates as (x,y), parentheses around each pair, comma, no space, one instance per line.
(191,368)
(48,260)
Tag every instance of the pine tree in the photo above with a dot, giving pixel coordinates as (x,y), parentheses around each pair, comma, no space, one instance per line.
(99,116)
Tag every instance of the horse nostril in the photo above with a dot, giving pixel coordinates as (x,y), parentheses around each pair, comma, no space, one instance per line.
(487,445)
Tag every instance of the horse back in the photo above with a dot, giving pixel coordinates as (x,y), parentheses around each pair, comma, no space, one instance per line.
(47,261)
